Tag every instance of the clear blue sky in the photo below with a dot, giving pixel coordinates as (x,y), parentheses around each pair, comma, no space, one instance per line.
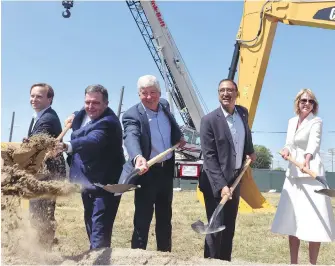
(101,43)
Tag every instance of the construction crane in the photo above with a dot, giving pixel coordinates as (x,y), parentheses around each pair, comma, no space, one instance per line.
(169,61)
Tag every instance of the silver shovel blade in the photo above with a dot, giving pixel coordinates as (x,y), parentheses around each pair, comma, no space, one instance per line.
(118,188)
(326,192)
(203,229)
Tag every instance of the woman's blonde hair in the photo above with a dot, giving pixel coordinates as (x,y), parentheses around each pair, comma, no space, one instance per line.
(298,97)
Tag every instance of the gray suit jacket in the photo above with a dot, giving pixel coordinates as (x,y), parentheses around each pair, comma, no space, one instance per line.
(137,137)
(219,152)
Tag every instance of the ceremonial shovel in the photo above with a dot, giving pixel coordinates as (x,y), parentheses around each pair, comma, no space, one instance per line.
(120,188)
(22,158)
(327,191)
(200,227)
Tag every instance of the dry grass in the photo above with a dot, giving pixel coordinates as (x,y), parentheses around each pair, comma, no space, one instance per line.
(253,240)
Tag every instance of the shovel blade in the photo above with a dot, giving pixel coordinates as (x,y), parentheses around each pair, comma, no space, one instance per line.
(118,188)
(203,229)
(326,192)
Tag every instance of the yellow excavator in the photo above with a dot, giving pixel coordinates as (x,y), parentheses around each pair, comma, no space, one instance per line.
(252,51)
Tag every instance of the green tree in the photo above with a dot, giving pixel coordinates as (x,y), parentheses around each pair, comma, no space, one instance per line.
(279,169)
(264,157)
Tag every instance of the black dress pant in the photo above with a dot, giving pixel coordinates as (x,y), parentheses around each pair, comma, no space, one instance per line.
(156,193)
(99,214)
(219,245)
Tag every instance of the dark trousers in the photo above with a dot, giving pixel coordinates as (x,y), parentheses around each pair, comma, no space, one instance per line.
(156,193)
(42,213)
(219,245)
(100,209)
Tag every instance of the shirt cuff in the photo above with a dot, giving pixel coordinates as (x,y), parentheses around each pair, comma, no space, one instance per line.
(69,147)
(134,161)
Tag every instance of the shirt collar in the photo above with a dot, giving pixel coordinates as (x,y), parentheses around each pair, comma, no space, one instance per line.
(149,111)
(37,115)
(226,113)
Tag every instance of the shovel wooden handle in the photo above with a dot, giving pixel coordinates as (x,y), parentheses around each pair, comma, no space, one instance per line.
(225,198)
(65,130)
(308,171)
(162,155)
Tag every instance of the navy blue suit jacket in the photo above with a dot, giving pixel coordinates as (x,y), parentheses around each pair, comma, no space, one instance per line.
(49,123)
(97,153)
(218,150)
(137,138)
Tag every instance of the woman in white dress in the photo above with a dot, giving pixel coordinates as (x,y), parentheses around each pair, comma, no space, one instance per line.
(303,214)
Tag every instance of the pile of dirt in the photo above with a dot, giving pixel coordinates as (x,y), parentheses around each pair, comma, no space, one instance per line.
(24,169)
(19,243)
(18,182)
(31,154)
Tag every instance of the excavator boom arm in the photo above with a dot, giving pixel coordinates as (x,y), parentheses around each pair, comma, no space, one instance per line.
(256,35)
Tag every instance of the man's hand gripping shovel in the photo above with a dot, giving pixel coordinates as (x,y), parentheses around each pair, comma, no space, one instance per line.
(211,228)
(120,188)
(327,191)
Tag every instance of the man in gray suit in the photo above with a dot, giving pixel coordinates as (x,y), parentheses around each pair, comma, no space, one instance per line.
(149,129)
(225,143)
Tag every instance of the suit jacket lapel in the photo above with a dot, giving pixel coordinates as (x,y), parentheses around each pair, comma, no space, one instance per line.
(244,119)
(39,119)
(223,122)
(144,118)
(304,123)
(77,121)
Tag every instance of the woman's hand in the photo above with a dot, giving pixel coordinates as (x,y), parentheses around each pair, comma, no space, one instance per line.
(285,153)
(306,164)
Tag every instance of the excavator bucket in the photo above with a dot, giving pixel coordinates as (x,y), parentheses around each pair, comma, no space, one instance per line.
(251,198)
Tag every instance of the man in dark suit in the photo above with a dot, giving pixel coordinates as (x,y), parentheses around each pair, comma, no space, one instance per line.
(225,142)
(149,129)
(96,156)
(45,120)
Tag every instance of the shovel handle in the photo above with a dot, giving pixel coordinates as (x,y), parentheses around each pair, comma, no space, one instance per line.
(65,130)
(225,198)
(162,155)
(308,171)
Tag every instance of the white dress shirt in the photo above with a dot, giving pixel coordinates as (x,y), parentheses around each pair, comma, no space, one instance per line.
(237,131)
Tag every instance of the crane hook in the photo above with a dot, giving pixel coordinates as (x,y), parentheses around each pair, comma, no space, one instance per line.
(66,13)
(67,5)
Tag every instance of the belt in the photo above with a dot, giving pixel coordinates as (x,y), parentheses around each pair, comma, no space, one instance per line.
(162,164)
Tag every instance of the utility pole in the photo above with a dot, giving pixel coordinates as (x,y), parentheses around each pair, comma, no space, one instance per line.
(11,128)
(120,103)
(332,152)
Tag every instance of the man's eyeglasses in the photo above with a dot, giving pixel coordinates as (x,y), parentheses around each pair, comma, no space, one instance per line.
(304,101)
(228,90)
